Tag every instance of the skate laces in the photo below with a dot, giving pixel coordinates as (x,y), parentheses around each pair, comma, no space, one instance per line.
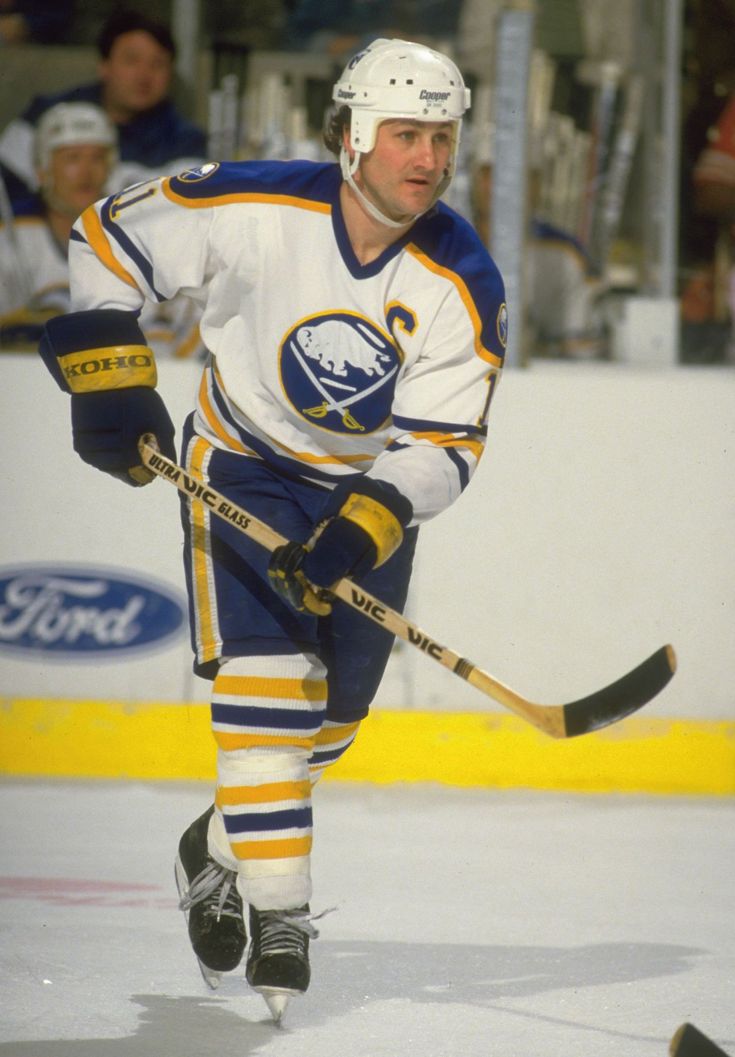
(285,931)
(215,886)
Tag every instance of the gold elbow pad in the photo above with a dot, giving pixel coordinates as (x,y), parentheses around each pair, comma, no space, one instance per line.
(382,526)
(115,367)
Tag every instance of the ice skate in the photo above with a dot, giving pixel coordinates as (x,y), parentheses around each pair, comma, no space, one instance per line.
(278,960)
(211,903)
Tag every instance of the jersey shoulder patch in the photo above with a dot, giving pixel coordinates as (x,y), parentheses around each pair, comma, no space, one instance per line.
(221,182)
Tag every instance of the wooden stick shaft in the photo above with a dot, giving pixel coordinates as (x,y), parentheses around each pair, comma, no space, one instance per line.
(549,719)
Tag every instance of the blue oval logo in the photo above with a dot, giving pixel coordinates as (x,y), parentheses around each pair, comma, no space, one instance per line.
(60,610)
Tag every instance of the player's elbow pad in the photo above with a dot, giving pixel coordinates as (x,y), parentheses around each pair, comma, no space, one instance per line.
(96,351)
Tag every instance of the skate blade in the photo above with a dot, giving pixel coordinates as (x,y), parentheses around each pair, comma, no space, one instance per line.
(277,999)
(211,977)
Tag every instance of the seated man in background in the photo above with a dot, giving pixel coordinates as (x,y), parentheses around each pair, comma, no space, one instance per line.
(135,73)
(75,151)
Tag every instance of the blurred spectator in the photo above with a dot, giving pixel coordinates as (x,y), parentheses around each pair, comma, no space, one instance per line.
(75,147)
(476,37)
(563,293)
(714,197)
(714,172)
(338,27)
(34,21)
(135,74)
(74,150)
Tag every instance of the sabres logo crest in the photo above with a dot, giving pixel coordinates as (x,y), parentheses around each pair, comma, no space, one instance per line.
(202,172)
(502,324)
(339,371)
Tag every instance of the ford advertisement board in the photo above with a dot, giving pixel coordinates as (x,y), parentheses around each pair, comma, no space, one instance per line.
(78,612)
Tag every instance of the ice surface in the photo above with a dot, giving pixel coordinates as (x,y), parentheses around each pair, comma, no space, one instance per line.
(475,924)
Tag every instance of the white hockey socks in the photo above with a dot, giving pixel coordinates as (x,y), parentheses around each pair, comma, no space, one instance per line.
(266,714)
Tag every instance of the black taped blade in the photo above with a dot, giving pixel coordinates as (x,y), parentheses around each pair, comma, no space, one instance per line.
(622,697)
(690,1042)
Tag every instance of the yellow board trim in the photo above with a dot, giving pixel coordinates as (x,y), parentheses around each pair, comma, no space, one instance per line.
(171,741)
(111,367)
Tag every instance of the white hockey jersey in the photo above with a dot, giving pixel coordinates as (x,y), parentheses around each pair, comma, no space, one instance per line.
(34,287)
(321,366)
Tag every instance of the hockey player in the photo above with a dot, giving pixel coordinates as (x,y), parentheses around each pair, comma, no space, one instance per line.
(357,329)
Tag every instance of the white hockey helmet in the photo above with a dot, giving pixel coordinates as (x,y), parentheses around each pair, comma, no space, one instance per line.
(399,79)
(72,125)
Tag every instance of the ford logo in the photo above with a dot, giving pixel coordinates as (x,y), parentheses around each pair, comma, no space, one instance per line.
(61,610)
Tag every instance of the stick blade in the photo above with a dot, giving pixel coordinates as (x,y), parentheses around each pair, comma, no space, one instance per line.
(621,698)
(688,1041)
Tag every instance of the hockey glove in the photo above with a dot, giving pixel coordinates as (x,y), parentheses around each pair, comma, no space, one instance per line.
(362,526)
(101,358)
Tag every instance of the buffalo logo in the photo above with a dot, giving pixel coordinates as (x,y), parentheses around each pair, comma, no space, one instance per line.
(192,176)
(339,371)
(503,325)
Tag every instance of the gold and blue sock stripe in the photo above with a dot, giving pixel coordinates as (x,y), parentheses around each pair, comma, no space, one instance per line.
(271,832)
(332,741)
(267,814)
(250,711)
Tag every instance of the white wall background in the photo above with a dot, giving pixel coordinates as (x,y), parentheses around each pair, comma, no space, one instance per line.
(600,525)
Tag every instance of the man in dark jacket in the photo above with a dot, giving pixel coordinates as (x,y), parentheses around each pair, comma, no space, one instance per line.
(135,73)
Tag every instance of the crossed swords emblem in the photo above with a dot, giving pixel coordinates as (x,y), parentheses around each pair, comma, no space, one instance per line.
(330,402)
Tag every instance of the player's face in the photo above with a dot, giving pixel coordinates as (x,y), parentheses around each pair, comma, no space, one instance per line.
(402,172)
(77,176)
(137,73)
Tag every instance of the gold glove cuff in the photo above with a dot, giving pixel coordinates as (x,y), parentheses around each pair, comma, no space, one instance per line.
(382,526)
(115,367)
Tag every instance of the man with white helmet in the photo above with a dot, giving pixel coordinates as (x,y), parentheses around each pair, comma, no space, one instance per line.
(357,328)
(75,151)
(75,148)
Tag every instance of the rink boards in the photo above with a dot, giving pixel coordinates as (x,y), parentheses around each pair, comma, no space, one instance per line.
(599,527)
(164,741)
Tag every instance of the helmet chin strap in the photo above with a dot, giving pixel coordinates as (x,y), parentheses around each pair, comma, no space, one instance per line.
(349,168)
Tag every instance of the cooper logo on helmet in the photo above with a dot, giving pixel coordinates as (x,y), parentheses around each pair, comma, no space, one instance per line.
(434,97)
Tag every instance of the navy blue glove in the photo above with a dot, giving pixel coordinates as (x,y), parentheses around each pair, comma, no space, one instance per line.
(361,527)
(107,426)
(102,359)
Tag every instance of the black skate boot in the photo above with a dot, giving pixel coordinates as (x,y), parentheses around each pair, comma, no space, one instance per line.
(212,904)
(278,960)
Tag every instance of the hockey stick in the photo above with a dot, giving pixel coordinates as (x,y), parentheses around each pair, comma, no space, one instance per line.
(606,706)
